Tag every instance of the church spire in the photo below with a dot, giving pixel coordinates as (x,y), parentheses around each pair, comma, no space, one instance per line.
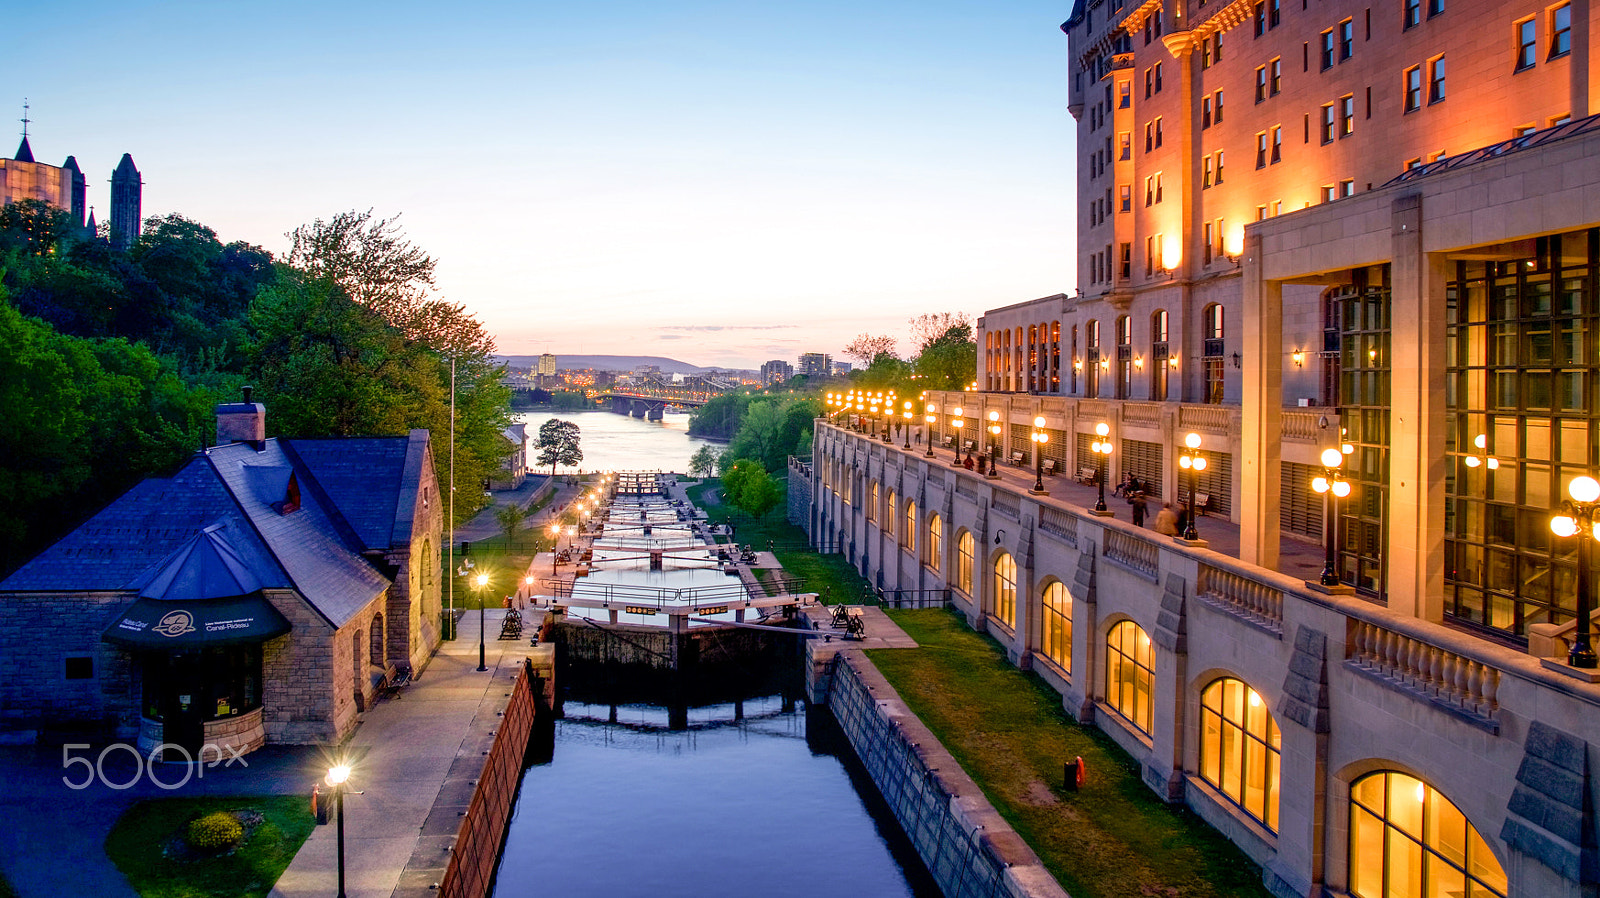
(24,152)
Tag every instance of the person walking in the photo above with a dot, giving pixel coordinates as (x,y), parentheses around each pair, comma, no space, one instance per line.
(1140,509)
(1166,520)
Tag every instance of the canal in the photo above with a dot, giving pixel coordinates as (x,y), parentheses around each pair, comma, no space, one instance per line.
(613,442)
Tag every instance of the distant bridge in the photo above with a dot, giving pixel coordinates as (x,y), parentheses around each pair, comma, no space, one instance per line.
(648,404)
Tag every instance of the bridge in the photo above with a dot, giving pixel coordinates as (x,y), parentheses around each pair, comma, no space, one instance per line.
(649,403)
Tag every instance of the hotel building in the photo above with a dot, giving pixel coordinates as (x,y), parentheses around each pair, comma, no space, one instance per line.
(1371,228)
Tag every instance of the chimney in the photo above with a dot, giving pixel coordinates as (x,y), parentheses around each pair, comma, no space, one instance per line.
(242,422)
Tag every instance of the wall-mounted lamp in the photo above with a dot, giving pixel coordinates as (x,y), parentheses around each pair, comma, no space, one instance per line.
(1172,360)
(1077,364)
(1138,362)
(1299,357)
(998,534)
(1237,358)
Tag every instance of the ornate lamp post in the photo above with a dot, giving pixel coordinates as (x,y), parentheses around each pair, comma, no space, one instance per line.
(482,581)
(555,543)
(337,777)
(1101,448)
(1581,520)
(527,590)
(994,442)
(931,418)
(1039,437)
(1193,462)
(906,428)
(888,416)
(957,422)
(1333,488)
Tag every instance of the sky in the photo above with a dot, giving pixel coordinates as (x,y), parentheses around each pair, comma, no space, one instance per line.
(718,182)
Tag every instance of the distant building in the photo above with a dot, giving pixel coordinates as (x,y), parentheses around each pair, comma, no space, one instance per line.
(263,593)
(66,188)
(842,367)
(815,364)
(514,470)
(547,365)
(776,372)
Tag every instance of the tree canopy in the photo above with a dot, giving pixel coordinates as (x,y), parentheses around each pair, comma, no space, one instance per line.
(559,443)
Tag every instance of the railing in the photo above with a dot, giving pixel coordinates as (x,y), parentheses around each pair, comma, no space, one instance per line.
(1144,413)
(1008,505)
(1304,427)
(1446,678)
(1092,408)
(1211,418)
(966,491)
(1060,523)
(1141,555)
(1242,597)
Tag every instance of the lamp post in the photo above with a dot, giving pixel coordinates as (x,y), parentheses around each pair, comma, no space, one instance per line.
(1040,438)
(527,590)
(906,428)
(994,442)
(482,581)
(1193,462)
(555,543)
(1333,488)
(337,776)
(957,422)
(931,418)
(462,571)
(1581,520)
(1102,453)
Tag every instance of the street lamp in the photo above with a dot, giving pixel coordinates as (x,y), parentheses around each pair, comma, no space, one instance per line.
(1333,488)
(527,590)
(482,580)
(337,776)
(1193,462)
(1039,437)
(957,422)
(1102,451)
(931,418)
(1580,520)
(555,543)
(462,571)
(906,428)
(994,442)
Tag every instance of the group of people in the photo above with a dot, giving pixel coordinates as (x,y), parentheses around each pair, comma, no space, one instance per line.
(1168,522)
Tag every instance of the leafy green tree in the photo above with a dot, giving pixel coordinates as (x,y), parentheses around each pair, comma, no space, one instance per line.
(703,462)
(510,518)
(948,361)
(559,443)
(720,417)
(32,227)
(748,487)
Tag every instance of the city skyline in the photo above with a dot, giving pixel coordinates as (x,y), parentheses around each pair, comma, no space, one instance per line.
(702,181)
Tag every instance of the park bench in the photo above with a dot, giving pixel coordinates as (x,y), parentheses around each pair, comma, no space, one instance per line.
(947,442)
(392,683)
(1019,458)
(1202,503)
(1049,466)
(1088,476)
(968,446)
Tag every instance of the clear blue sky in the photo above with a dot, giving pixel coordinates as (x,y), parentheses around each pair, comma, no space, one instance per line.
(721,182)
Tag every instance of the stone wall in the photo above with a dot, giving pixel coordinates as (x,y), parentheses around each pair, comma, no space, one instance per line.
(965,843)
(412,619)
(38,633)
(799,512)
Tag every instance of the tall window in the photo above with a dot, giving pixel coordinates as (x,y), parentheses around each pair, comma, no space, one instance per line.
(1347,115)
(1092,335)
(1239,748)
(1261,83)
(1275,76)
(1412,15)
(910,530)
(889,515)
(1436,79)
(1328,120)
(1159,352)
(1261,149)
(1005,589)
(1407,839)
(1347,39)
(1327,49)
(1212,348)
(1277,144)
(964,562)
(1124,357)
(935,550)
(1130,671)
(1561,30)
(1056,635)
(1527,35)
(872,502)
(1413,87)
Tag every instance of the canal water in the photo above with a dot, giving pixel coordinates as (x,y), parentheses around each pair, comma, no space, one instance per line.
(613,442)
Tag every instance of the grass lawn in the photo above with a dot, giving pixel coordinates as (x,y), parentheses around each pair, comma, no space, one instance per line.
(138,846)
(831,576)
(1114,839)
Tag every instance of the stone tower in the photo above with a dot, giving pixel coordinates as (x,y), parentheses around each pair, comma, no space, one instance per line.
(80,191)
(126,193)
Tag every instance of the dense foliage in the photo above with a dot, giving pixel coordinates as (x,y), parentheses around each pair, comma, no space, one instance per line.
(111,362)
(560,442)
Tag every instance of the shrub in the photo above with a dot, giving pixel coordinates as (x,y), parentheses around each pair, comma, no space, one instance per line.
(214,833)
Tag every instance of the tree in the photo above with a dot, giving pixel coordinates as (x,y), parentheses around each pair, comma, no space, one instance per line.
(510,518)
(949,361)
(747,486)
(866,348)
(558,444)
(703,462)
(930,327)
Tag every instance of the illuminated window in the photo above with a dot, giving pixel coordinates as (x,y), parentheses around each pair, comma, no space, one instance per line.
(1219,106)
(1261,149)
(1158,130)
(1406,839)
(1130,670)
(1124,94)
(1527,37)
(1347,115)
(1261,83)
(1205,112)
(1347,187)
(964,563)
(889,515)
(1328,193)
(1277,144)
(1124,146)
(1327,123)
(1005,589)
(1126,197)
(1274,76)
(1413,84)
(1205,177)
(1158,77)
(1057,625)
(1239,748)
(910,530)
(935,541)
(1219,152)
(1560,30)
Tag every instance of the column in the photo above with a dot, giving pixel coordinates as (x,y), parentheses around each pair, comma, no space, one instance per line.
(1261,425)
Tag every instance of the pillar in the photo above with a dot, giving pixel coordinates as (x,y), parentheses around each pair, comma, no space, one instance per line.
(1261,425)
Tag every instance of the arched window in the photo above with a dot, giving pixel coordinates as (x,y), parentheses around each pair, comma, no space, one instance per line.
(1130,671)
(909,532)
(889,517)
(964,562)
(1407,839)
(935,541)
(1005,589)
(1239,748)
(1057,621)
(872,503)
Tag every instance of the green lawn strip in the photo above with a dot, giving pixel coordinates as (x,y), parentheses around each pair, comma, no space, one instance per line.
(830,576)
(1007,730)
(139,844)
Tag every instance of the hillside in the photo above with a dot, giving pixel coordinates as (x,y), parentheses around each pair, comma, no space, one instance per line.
(606,363)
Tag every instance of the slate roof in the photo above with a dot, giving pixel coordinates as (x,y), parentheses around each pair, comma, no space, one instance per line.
(24,152)
(356,495)
(205,567)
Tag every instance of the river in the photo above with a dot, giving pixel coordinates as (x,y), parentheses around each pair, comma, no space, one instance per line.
(613,442)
